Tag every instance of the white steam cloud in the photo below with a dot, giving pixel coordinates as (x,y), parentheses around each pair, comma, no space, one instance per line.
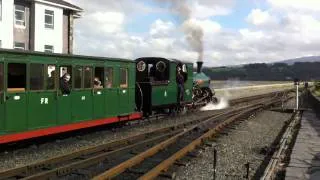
(193,31)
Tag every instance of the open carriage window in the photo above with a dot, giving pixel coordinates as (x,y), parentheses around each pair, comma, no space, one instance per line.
(1,77)
(123,77)
(36,76)
(88,77)
(109,77)
(98,80)
(17,77)
(51,77)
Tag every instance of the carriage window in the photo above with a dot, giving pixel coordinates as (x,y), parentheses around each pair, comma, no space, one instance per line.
(51,74)
(1,77)
(109,77)
(98,77)
(78,76)
(17,77)
(123,77)
(36,76)
(88,77)
(65,70)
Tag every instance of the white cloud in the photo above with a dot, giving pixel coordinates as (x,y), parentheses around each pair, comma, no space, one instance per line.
(297,5)
(258,17)
(204,10)
(161,29)
(279,32)
(106,22)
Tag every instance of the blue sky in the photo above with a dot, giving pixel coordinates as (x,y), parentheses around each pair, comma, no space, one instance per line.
(235,31)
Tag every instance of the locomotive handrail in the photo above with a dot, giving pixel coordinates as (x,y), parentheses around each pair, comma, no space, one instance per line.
(141,97)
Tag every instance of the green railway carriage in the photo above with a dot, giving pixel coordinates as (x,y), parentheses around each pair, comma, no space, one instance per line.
(157,86)
(32,104)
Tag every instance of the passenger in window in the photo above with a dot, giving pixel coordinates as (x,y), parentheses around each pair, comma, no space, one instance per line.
(97,83)
(64,84)
(180,83)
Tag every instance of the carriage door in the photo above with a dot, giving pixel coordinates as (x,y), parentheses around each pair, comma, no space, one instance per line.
(63,98)
(123,91)
(98,93)
(82,93)
(111,93)
(41,98)
(2,96)
(16,101)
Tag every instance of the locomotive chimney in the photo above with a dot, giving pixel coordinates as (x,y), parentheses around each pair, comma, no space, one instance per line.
(199,66)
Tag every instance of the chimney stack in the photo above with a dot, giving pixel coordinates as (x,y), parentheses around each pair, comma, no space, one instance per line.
(199,66)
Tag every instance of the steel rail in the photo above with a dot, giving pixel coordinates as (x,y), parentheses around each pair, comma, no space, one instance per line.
(114,146)
(284,142)
(164,165)
(30,169)
(115,171)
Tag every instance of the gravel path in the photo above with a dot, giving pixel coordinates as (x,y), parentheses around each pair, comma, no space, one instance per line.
(242,145)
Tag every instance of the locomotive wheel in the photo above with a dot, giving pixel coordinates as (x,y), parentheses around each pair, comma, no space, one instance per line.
(207,92)
(214,100)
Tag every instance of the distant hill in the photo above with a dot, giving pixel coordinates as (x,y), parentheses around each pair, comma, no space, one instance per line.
(302,59)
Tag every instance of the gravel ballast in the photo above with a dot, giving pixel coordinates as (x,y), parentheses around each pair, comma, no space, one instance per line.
(246,143)
(35,153)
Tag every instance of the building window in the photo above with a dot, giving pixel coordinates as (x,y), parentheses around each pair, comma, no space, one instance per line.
(19,45)
(48,49)
(0,10)
(49,19)
(20,18)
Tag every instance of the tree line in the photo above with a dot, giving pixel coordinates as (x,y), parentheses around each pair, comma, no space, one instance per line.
(267,72)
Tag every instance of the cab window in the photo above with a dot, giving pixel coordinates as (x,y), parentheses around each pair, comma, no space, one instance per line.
(123,77)
(36,76)
(109,77)
(51,77)
(17,76)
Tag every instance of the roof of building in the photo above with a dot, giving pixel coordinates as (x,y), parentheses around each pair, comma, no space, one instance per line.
(65,4)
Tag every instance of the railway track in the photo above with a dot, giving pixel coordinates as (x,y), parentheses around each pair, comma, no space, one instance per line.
(122,155)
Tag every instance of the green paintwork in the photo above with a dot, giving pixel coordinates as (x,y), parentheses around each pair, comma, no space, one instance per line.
(16,112)
(167,94)
(48,108)
(2,102)
(41,109)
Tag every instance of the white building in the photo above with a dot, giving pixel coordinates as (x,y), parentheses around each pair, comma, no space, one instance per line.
(37,25)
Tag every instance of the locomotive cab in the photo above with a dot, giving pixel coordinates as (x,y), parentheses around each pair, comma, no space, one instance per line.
(156,86)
